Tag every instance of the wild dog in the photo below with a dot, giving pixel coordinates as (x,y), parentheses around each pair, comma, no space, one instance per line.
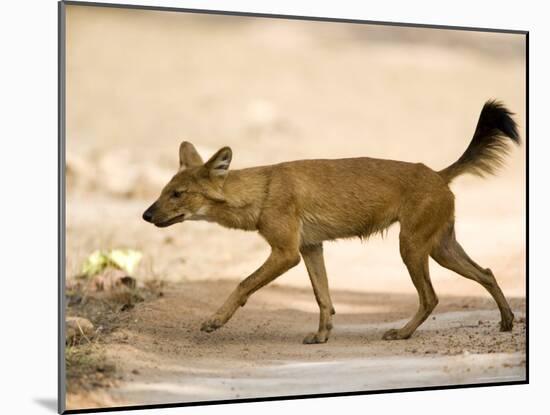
(297,205)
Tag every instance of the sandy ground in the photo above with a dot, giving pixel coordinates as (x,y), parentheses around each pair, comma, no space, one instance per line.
(138,83)
(162,356)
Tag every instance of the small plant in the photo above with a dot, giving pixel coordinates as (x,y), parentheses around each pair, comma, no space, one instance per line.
(87,367)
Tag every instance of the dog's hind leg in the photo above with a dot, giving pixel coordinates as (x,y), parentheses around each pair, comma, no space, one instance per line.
(449,254)
(315,264)
(415,256)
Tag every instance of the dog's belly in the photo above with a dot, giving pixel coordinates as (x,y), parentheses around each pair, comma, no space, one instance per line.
(312,234)
(315,233)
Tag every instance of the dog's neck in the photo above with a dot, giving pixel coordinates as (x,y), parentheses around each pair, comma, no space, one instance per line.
(244,192)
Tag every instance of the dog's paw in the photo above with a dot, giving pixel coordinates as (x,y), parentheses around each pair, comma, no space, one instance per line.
(315,338)
(395,334)
(507,325)
(210,325)
(507,321)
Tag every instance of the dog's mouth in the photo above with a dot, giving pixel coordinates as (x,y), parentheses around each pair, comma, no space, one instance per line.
(176,219)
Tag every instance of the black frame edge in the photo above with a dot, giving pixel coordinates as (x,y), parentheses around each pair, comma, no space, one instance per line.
(292,397)
(61,384)
(527,145)
(290,17)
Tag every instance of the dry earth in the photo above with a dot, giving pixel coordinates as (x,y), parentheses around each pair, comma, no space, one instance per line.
(162,356)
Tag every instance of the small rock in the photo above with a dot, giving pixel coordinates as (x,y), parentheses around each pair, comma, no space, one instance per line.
(74,300)
(126,307)
(135,372)
(77,328)
(107,367)
(128,281)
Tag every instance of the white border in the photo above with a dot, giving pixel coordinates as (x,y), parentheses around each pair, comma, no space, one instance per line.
(29,179)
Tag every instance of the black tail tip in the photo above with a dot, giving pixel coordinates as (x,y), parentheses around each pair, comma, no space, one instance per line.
(495,115)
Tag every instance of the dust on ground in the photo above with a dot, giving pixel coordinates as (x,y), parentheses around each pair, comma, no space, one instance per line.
(274,91)
(161,355)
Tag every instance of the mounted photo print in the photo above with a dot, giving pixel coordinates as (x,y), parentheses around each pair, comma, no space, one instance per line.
(259,207)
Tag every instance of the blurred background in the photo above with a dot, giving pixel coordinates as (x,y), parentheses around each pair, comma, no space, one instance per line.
(140,82)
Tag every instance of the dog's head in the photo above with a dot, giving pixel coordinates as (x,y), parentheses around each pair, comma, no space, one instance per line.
(193,190)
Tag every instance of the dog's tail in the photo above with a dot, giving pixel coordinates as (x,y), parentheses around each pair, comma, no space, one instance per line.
(495,128)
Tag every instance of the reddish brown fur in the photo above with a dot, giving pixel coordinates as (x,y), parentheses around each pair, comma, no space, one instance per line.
(297,205)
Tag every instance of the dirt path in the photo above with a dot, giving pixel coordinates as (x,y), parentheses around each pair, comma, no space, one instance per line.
(238,379)
(162,356)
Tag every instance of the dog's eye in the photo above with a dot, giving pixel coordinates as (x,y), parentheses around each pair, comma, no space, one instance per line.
(175,194)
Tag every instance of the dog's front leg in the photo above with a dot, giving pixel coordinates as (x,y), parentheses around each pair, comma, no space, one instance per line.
(315,264)
(278,262)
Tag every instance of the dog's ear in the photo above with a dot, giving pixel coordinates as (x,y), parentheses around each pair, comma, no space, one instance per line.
(215,171)
(218,165)
(189,157)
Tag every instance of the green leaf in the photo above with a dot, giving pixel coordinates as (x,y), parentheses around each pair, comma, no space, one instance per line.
(124,259)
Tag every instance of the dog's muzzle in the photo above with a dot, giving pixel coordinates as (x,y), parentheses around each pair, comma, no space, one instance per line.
(148,214)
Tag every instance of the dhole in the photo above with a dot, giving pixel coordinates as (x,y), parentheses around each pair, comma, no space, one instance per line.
(297,205)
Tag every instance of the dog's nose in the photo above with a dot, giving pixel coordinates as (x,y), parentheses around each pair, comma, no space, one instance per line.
(147,216)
